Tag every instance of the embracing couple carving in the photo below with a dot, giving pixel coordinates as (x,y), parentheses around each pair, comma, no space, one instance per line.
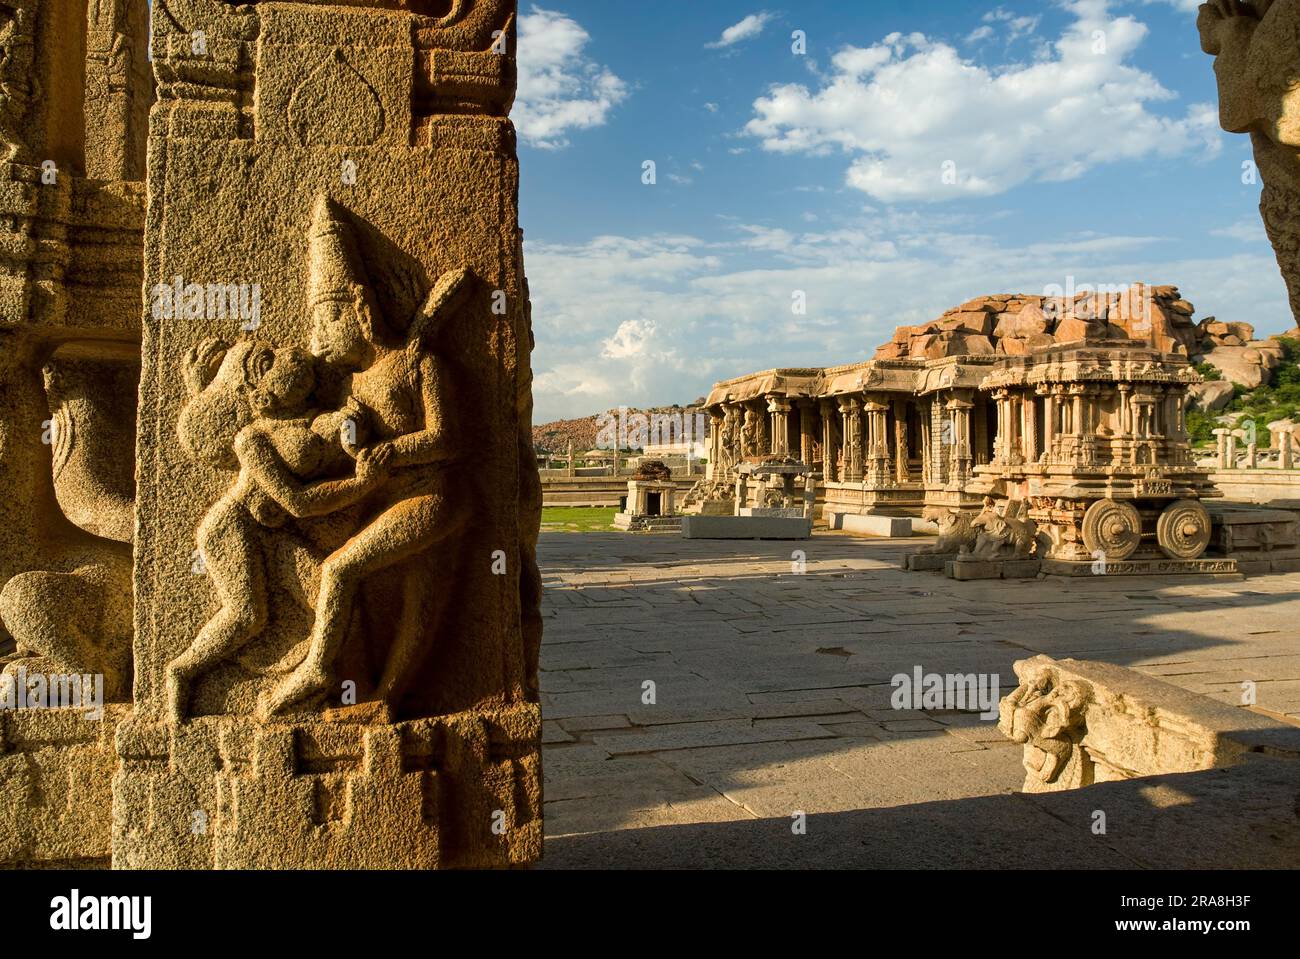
(379,445)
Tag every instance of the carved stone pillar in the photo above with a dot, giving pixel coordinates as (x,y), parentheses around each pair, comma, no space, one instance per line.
(926,440)
(778,408)
(851,410)
(1030,420)
(961,457)
(1221,439)
(1049,423)
(1002,445)
(373,702)
(902,453)
(830,443)
(878,453)
(807,436)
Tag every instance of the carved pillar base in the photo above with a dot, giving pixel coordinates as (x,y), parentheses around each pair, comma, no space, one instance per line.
(56,804)
(460,791)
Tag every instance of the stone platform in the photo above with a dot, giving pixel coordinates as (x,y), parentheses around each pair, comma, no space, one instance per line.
(1207,566)
(647,524)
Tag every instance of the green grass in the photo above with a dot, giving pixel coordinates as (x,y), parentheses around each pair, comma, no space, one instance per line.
(1279,401)
(572,519)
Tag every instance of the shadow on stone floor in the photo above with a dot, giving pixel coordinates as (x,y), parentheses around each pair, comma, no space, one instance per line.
(1246,817)
(773,692)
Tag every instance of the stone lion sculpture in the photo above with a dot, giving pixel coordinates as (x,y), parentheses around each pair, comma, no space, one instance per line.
(955,530)
(1003,535)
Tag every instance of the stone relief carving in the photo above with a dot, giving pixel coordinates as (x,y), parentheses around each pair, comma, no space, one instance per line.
(385,446)
(18,83)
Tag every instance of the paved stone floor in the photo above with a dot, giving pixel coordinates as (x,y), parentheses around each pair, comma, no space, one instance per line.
(771,693)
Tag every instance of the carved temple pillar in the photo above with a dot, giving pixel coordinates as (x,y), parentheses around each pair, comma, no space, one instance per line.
(382,713)
(878,452)
(1046,441)
(851,411)
(902,452)
(807,435)
(830,442)
(926,440)
(1002,445)
(960,457)
(1029,421)
(778,409)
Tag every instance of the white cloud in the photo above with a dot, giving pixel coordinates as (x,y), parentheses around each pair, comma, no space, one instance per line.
(1249,230)
(659,320)
(1013,25)
(632,340)
(746,29)
(560,89)
(1187,6)
(922,123)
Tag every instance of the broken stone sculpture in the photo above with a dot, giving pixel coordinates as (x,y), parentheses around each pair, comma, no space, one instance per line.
(1257,63)
(1084,722)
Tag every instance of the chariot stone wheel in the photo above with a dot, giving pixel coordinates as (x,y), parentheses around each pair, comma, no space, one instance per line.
(1183,530)
(1113,529)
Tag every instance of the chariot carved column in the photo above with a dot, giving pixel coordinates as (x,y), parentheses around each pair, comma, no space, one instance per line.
(347,678)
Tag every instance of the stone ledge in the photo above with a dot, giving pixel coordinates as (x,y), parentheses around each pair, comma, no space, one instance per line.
(745,527)
(893,527)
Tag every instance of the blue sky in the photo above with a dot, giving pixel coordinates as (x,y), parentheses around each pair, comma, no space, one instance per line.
(916,156)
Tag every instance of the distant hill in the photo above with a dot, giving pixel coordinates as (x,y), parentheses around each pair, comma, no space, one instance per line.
(555,437)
